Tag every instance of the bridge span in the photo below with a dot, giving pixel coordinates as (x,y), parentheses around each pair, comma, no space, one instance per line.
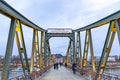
(41,56)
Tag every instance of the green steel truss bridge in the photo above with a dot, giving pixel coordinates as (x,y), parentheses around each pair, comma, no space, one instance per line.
(41,53)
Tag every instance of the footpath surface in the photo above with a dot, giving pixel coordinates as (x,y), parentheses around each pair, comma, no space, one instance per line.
(61,74)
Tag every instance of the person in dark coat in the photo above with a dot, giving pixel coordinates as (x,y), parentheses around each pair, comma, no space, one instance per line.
(74,68)
(66,65)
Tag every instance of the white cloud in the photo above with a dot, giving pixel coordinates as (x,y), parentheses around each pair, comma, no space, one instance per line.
(20,5)
(64,13)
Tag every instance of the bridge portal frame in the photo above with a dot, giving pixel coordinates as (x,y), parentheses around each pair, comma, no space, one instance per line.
(71,36)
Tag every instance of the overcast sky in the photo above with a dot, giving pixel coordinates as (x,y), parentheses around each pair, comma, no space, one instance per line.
(62,14)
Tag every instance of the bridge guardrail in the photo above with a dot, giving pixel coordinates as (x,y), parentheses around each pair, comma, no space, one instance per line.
(33,75)
(91,74)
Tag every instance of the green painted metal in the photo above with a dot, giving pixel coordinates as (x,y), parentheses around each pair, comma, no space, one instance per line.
(20,51)
(78,49)
(42,48)
(67,53)
(24,48)
(44,54)
(106,49)
(88,43)
(32,54)
(60,35)
(69,35)
(85,53)
(49,53)
(117,24)
(91,51)
(45,48)
(35,50)
(101,22)
(9,49)
(73,48)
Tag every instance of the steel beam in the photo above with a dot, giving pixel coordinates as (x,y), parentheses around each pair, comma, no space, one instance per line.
(32,54)
(117,24)
(35,50)
(85,53)
(106,49)
(9,49)
(73,48)
(49,53)
(92,51)
(67,53)
(7,10)
(45,50)
(42,48)
(78,49)
(20,50)
(101,22)
(60,35)
(21,47)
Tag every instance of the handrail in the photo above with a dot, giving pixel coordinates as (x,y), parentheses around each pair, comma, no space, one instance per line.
(101,22)
(111,74)
(7,10)
(14,78)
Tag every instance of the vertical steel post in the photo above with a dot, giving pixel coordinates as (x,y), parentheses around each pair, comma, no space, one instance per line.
(42,48)
(92,51)
(9,49)
(78,48)
(21,47)
(85,53)
(35,50)
(20,50)
(32,54)
(67,53)
(24,48)
(49,53)
(73,48)
(117,24)
(45,50)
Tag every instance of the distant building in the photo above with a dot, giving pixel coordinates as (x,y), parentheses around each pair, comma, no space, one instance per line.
(58,58)
(110,59)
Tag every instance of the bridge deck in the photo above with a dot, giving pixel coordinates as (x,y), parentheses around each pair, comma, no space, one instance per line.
(61,74)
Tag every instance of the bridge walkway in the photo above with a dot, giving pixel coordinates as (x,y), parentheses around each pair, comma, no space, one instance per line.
(61,74)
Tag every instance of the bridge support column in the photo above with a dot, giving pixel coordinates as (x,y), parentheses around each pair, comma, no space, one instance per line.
(106,49)
(9,49)
(78,50)
(15,30)
(21,47)
(42,49)
(35,51)
(117,24)
(67,53)
(73,48)
(46,51)
(88,43)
